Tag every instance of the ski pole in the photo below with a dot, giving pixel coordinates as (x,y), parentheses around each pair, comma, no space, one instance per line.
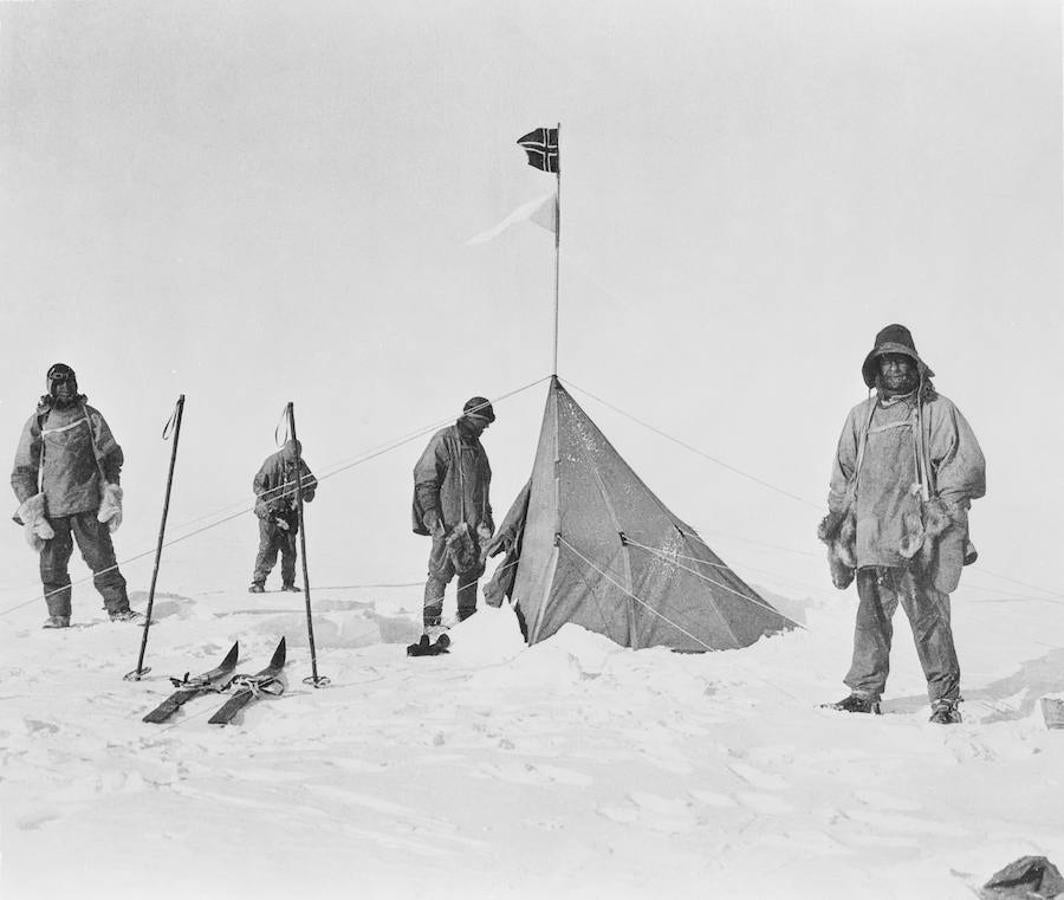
(175,421)
(315,680)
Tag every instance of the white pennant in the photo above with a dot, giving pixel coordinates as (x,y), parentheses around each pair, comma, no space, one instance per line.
(544,212)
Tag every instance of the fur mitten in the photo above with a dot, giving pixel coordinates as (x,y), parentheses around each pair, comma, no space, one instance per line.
(838,529)
(937,521)
(432,522)
(110,510)
(945,551)
(829,526)
(462,549)
(36,526)
(913,529)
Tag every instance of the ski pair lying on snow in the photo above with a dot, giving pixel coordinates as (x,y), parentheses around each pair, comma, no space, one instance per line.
(245,687)
(251,687)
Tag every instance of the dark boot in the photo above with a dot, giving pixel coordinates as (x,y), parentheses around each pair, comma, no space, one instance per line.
(945,712)
(126,615)
(855,703)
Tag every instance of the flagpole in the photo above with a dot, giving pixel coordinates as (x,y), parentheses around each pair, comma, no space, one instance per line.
(557,240)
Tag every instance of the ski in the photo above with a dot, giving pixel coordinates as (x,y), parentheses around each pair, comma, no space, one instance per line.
(216,679)
(251,687)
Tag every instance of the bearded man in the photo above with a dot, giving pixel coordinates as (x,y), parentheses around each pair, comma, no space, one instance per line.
(66,480)
(905,472)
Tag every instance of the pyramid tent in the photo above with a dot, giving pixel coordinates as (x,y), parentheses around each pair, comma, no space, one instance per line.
(587,542)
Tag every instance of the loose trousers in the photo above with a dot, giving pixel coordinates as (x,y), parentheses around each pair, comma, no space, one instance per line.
(880,589)
(94,544)
(441,571)
(271,541)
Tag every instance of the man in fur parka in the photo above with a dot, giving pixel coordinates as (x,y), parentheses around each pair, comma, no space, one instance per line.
(905,472)
(451,485)
(66,479)
(276,507)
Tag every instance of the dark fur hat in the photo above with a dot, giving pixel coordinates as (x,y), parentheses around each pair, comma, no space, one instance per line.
(892,339)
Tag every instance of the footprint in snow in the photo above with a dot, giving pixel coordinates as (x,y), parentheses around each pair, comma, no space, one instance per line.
(966,747)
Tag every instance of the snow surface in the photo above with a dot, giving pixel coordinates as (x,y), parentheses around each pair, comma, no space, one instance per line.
(575,768)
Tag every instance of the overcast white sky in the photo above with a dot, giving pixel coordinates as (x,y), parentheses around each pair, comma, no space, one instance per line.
(259,202)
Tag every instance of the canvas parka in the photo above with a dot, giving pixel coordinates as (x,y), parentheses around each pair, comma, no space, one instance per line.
(67,449)
(453,478)
(275,487)
(885,493)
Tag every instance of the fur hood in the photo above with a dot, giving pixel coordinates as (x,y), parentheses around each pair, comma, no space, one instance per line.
(47,403)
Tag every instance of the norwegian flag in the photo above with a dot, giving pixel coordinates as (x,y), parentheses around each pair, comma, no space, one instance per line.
(541,146)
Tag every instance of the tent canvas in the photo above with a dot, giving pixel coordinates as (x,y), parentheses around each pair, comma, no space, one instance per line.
(588,542)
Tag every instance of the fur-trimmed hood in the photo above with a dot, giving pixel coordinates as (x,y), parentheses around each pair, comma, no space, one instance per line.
(47,403)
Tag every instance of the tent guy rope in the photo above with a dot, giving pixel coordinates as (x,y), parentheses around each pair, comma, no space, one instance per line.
(679,628)
(673,559)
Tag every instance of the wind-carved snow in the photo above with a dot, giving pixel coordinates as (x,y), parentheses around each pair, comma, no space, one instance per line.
(574,768)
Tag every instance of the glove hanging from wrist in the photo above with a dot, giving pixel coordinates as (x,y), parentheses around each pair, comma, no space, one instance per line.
(110,510)
(36,526)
